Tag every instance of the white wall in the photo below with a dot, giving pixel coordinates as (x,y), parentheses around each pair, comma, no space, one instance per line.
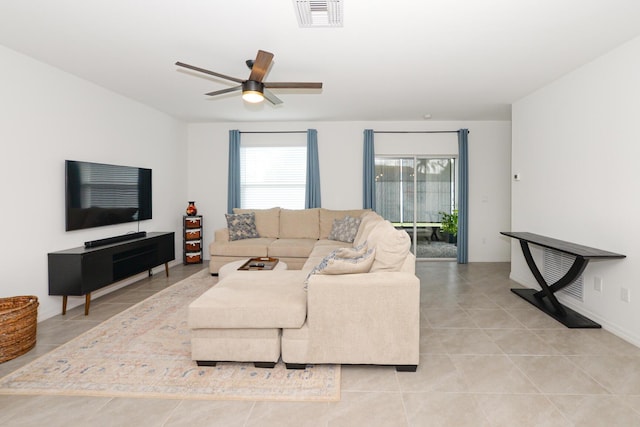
(340,156)
(48,116)
(575,142)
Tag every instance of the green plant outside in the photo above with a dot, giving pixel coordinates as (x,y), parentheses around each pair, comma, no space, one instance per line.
(450,222)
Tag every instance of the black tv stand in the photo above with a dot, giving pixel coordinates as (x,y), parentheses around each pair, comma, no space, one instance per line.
(80,271)
(115,239)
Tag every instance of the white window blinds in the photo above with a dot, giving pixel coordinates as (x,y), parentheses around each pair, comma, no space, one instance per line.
(273,176)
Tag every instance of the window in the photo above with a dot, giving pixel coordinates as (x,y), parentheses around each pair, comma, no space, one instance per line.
(273,176)
(411,192)
(405,192)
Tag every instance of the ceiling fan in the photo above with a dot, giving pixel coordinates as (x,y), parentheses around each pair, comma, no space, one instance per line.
(254,89)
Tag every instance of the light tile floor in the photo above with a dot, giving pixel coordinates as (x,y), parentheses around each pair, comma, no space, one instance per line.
(487,359)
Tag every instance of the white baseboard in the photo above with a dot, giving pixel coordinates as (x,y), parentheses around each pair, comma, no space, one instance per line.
(574,305)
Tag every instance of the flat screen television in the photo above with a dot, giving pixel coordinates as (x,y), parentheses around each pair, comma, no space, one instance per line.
(99,194)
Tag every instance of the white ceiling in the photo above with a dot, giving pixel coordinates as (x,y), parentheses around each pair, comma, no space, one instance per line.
(392,60)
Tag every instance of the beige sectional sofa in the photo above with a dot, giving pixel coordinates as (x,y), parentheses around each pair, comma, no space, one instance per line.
(287,234)
(325,311)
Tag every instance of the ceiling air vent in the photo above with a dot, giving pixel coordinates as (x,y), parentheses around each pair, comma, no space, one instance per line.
(319,13)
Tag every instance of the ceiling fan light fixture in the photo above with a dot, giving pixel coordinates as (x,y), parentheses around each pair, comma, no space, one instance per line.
(252,96)
(253,91)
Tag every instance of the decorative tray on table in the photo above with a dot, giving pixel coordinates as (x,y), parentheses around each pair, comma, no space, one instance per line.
(260,263)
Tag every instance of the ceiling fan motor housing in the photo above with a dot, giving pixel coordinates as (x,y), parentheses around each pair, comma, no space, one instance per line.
(253,91)
(252,85)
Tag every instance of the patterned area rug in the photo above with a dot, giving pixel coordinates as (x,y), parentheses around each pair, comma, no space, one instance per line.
(145,352)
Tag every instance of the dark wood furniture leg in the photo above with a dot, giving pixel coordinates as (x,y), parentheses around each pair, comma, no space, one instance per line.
(540,279)
(206,363)
(564,315)
(265,365)
(87,297)
(298,366)
(87,303)
(406,368)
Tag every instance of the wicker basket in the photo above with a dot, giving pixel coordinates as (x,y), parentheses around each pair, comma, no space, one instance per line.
(18,323)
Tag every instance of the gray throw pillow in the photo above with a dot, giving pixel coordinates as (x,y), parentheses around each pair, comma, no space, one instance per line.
(242,226)
(344,230)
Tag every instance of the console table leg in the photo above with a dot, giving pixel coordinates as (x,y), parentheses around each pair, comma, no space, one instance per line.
(559,309)
(87,303)
(166,268)
(577,268)
(64,305)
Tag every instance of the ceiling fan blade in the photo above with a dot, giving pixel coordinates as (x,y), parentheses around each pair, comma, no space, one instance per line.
(292,85)
(260,66)
(220,92)
(272,98)
(212,73)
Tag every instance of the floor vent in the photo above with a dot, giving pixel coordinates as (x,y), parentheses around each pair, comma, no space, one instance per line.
(556,264)
(319,13)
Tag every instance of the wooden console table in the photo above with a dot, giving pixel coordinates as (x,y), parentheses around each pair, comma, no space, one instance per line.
(551,305)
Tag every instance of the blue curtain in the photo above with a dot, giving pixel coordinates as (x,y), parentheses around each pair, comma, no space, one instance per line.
(233,184)
(369,172)
(312,189)
(463,196)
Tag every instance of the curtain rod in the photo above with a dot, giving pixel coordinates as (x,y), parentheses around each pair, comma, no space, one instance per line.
(276,131)
(415,131)
(375,131)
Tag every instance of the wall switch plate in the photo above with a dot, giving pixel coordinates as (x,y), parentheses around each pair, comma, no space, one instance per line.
(625,295)
(597,284)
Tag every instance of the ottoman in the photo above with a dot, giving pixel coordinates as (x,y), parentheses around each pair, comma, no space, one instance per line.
(232,267)
(240,319)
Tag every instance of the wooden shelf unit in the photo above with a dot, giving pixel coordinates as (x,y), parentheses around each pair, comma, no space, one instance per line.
(192,235)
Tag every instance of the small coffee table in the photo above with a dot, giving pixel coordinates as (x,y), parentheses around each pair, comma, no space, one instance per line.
(233,267)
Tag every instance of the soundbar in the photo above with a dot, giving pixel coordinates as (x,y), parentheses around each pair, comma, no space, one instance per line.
(115,239)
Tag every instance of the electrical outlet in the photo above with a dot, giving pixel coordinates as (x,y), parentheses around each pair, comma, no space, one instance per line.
(625,295)
(597,284)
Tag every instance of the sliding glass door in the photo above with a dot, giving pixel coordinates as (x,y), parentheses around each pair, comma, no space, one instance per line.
(413,193)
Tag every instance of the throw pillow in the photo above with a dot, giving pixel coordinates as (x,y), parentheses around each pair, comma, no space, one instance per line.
(368,221)
(392,247)
(344,230)
(267,220)
(241,226)
(353,252)
(332,264)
